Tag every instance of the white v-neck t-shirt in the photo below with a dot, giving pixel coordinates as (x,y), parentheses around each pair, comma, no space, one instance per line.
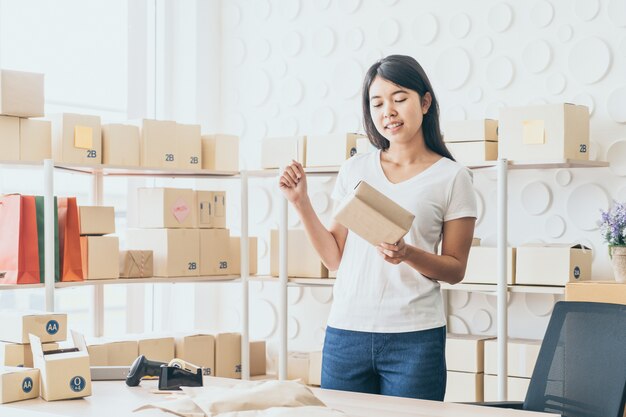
(373,295)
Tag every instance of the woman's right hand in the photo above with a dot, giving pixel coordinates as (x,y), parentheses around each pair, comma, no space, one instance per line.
(292,183)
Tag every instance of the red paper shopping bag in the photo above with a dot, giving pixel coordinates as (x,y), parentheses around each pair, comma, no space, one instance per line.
(69,240)
(19,252)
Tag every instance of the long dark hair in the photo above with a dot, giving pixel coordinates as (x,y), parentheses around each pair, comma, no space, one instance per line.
(406,72)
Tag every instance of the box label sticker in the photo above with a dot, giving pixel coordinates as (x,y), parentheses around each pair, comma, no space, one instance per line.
(533,132)
(52,327)
(180,210)
(27,385)
(77,383)
(576,272)
(83,137)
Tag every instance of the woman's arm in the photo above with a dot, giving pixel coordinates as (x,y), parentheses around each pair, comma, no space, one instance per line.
(450,265)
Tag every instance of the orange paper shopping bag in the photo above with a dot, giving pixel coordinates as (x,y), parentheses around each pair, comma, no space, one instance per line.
(19,252)
(69,240)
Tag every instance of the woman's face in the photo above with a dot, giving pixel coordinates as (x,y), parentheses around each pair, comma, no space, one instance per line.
(397,112)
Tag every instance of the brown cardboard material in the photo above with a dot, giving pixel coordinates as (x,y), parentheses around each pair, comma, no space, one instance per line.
(516,388)
(220,152)
(156,348)
(176,252)
(76,139)
(21,93)
(471,130)
(465,353)
(522,356)
(547,132)
(468,153)
(258,363)
(552,264)
(9,138)
(330,150)
(373,216)
(234,265)
(315,368)
(35,140)
(170,208)
(189,146)
(302,259)
(96,220)
(211,209)
(197,349)
(120,145)
(17,384)
(482,268)
(596,291)
(464,387)
(100,256)
(63,375)
(15,326)
(214,251)
(298,364)
(228,355)
(111,352)
(136,264)
(158,144)
(20,354)
(279,152)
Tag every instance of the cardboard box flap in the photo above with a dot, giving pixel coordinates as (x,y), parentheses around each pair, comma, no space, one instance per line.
(35,345)
(6,370)
(383,204)
(79,341)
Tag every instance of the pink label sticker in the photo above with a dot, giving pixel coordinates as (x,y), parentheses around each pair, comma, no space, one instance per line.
(180,210)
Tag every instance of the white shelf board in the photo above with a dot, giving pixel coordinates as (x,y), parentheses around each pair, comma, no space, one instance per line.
(557,163)
(112,170)
(309,171)
(20,286)
(21,164)
(152,280)
(492,288)
(297,282)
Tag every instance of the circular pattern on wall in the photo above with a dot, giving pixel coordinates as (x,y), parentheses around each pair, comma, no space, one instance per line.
(236,52)
(453,68)
(536,198)
(324,41)
(289,125)
(321,89)
(231,319)
(291,91)
(585,99)
(263,318)
(537,56)
(500,17)
(500,72)
(231,15)
(583,206)
(457,325)
(235,124)
(348,6)
(475,94)
(455,112)
(347,77)
(594,148)
(389,32)
(483,46)
(622,48)
(322,295)
(565,33)
(257,286)
(292,43)
(279,68)
(459,299)
(460,25)
(323,120)
(492,299)
(563,177)
(350,123)
(616,105)
(481,320)
(616,11)
(289,9)
(262,204)
(262,247)
(616,156)
(322,4)
(539,305)
(542,14)
(492,111)
(273,110)
(425,28)
(621,194)
(262,9)
(320,202)
(257,87)
(355,38)
(555,226)
(586,9)
(589,60)
(293,328)
(261,50)
(555,83)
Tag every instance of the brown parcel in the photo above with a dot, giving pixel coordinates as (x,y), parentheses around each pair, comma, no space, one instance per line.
(35,140)
(20,354)
(170,208)
(552,264)
(99,256)
(234,264)
(330,150)
(522,356)
(481,269)
(465,352)
(516,388)
(112,352)
(96,220)
(471,130)
(278,152)
(211,209)
(176,252)
(596,291)
(214,251)
(302,259)
(136,264)
(198,349)
(76,139)
(220,152)
(120,145)
(468,153)
(157,348)
(15,326)
(228,355)
(17,384)
(189,146)
(258,362)
(158,144)
(464,387)
(21,93)
(9,138)
(373,216)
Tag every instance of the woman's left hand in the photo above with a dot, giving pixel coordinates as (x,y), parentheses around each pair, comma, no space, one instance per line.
(393,253)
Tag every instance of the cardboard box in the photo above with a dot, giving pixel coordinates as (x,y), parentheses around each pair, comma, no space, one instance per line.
(211,209)
(279,152)
(21,93)
(111,352)
(17,384)
(234,265)
(258,362)
(35,140)
(482,267)
(136,264)
(302,259)
(9,138)
(220,152)
(158,144)
(552,264)
(522,356)
(516,388)
(189,146)
(176,252)
(157,348)
(547,132)
(468,153)
(596,291)
(471,130)
(330,150)
(363,145)
(228,355)
(315,368)
(120,145)
(96,220)
(76,139)
(15,326)
(214,251)
(169,208)
(198,349)
(465,353)
(298,366)
(63,375)
(373,216)
(100,255)
(464,387)
(20,354)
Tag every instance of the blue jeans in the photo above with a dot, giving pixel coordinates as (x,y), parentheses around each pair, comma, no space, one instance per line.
(411,364)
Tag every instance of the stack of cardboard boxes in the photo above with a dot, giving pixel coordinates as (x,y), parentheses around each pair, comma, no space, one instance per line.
(465,359)
(99,253)
(305,366)
(302,259)
(472,141)
(522,356)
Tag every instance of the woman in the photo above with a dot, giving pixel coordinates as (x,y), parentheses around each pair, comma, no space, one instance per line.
(386,330)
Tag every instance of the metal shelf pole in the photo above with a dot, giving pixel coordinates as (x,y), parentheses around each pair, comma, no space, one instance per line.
(502,278)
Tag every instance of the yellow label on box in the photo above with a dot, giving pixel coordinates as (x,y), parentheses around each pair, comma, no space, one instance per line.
(534,132)
(83,137)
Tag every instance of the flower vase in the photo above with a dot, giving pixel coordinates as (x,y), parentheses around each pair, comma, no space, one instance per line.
(618,260)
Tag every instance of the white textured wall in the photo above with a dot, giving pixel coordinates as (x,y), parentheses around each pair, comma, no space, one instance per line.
(295,67)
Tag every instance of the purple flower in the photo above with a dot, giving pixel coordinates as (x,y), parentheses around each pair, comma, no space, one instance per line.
(613,224)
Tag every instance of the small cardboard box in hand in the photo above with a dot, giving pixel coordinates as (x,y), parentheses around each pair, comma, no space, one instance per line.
(373,216)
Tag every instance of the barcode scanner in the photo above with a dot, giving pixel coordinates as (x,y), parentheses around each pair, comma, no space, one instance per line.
(143,367)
